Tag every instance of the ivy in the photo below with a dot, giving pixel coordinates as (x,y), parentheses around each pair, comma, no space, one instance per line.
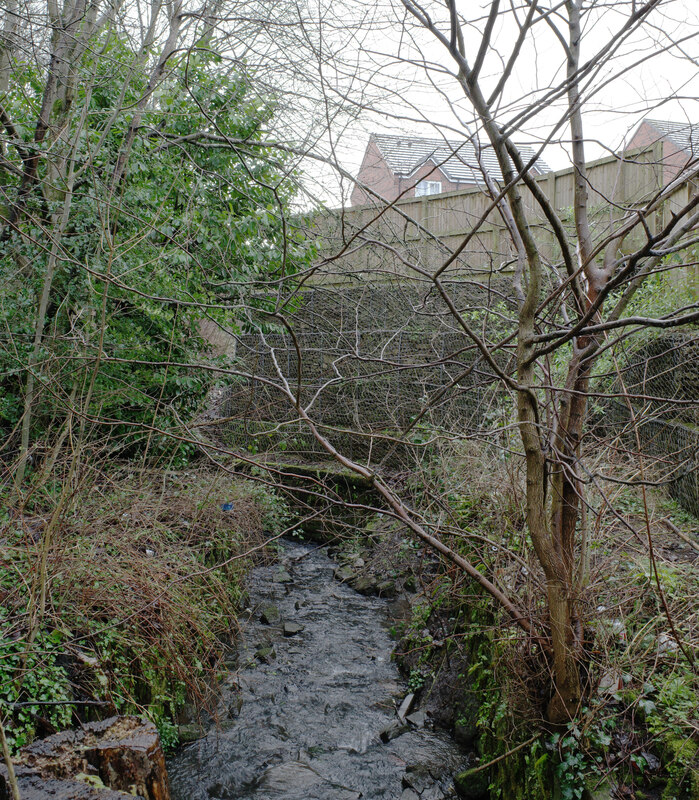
(196,227)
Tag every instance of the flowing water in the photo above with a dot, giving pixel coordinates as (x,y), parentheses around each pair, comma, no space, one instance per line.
(315,698)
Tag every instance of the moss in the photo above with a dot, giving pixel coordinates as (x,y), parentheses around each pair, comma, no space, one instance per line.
(525,775)
(472,784)
(680,757)
(603,792)
(629,697)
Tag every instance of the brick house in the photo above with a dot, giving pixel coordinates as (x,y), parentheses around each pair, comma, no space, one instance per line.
(678,142)
(407,166)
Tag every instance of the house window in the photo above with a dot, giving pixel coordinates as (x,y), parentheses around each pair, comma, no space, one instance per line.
(428,187)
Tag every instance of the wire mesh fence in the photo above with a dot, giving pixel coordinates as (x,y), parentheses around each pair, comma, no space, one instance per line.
(380,370)
(660,411)
(383,370)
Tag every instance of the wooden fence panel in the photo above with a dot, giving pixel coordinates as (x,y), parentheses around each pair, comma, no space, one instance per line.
(427,229)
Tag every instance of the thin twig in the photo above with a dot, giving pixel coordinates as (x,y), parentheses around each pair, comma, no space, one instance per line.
(481,767)
(11,777)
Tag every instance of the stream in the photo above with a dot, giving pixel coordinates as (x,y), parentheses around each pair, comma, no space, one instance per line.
(315,687)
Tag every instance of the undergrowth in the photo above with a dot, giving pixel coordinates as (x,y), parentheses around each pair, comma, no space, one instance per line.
(636,734)
(145,576)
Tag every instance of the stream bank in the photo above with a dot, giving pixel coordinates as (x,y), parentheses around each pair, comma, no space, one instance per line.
(312,711)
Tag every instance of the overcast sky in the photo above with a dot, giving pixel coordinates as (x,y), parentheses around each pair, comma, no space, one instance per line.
(371,68)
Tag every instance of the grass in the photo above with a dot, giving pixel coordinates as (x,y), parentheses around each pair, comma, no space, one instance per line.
(145,577)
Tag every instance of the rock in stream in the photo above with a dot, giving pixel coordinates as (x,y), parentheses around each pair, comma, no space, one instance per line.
(311,717)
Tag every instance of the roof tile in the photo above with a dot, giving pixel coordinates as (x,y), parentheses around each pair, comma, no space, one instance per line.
(458,160)
(684,135)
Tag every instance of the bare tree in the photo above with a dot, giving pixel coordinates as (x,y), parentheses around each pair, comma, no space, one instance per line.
(574,289)
(121,231)
(552,291)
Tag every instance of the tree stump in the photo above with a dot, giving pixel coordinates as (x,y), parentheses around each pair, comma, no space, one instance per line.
(115,758)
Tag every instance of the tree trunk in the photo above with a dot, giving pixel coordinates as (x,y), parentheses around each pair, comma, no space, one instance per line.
(564,703)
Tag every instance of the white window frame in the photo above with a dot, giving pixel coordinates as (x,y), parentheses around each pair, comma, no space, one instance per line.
(425,188)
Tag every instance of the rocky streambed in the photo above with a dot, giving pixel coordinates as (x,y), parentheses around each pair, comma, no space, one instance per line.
(316,709)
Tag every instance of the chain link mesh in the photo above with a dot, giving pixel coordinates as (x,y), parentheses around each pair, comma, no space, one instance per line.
(384,369)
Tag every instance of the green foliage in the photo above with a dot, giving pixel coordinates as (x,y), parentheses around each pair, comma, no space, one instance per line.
(45,682)
(276,514)
(191,233)
(169,737)
(671,579)
(572,766)
(146,585)
(45,689)
(416,680)
(676,702)
(683,767)
(662,293)
(33,681)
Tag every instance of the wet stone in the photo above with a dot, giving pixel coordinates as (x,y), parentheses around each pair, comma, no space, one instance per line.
(405,706)
(393,730)
(283,576)
(417,778)
(417,719)
(400,608)
(465,732)
(189,733)
(230,658)
(365,584)
(433,792)
(308,728)
(296,778)
(234,707)
(292,628)
(344,574)
(270,615)
(265,652)
(289,777)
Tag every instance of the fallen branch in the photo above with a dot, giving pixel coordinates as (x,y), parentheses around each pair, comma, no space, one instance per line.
(683,536)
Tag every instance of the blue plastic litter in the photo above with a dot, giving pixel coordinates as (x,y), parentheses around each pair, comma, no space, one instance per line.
(227,506)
